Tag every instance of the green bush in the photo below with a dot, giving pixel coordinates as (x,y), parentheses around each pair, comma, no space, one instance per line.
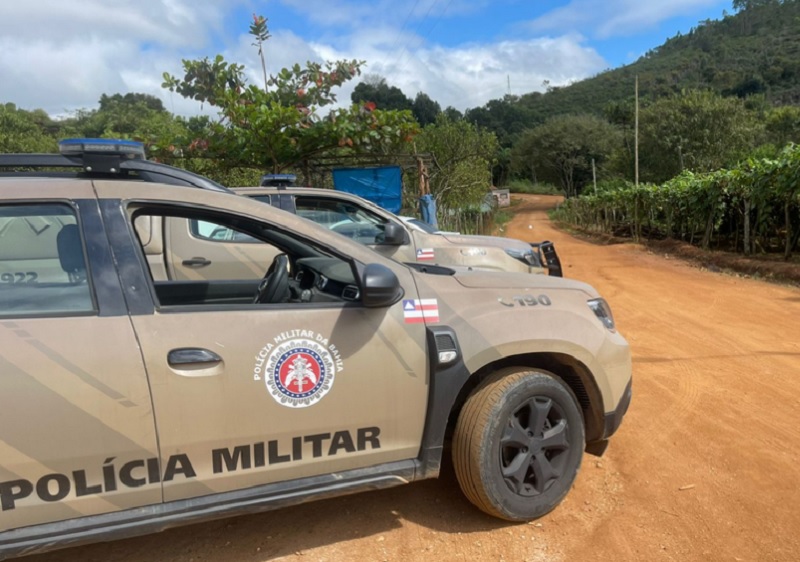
(527,186)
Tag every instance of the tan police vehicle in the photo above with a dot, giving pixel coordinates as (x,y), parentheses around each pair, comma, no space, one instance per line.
(391,236)
(135,397)
(215,250)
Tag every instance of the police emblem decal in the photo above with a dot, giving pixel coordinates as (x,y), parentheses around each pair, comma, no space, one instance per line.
(299,372)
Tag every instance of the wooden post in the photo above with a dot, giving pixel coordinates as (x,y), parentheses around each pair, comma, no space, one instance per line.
(420,177)
(636,135)
(422,173)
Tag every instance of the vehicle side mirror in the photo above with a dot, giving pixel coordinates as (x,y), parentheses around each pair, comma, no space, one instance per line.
(393,234)
(380,286)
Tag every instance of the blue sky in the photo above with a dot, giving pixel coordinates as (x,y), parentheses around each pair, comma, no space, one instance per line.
(61,56)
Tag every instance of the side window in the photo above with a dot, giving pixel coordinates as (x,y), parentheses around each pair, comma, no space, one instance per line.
(288,270)
(42,263)
(342,217)
(206,230)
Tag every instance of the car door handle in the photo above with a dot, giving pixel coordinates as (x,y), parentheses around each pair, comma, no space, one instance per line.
(196,262)
(192,356)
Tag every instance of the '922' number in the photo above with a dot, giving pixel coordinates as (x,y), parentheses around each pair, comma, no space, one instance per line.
(19,277)
(526,300)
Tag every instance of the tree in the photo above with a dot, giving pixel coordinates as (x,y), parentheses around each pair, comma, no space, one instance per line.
(695,130)
(506,118)
(783,125)
(109,103)
(23,131)
(375,89)
(132,115)
(425,109)
(562,149)
(453,114)
(742,5)
(460,174)
(280,126)
(622,161)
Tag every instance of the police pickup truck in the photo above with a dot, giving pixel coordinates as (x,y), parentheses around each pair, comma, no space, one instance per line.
(134,398)
(390,235)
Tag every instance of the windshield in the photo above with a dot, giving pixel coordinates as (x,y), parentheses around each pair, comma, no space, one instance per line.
(353,221)
(423,226)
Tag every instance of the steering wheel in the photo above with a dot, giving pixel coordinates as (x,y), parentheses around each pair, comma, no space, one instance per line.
(274,287)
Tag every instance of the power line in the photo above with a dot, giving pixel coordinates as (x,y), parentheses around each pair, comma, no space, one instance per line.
(422,38)
(402,27)
(435,23)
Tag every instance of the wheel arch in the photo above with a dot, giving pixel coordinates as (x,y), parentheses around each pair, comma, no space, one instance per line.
(451,384)
(567,368)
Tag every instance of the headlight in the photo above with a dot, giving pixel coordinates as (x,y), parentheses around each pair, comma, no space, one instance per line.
(525,256)
(603,312)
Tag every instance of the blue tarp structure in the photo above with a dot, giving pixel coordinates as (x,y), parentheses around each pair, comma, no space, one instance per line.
(427,210)
(383,186)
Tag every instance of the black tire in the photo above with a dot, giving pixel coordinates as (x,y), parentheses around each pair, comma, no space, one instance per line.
(509,461)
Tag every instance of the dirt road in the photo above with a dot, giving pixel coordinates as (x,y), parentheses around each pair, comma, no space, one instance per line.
(706,465)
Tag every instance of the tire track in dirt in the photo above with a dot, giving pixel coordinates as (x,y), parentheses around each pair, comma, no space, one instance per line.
(708,452)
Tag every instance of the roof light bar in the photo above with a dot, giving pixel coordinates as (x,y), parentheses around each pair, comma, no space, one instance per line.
(116,147)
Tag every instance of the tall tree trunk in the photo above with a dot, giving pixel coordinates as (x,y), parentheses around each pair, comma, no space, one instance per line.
(669,222)
(706,242)
(709,225)
(787,253)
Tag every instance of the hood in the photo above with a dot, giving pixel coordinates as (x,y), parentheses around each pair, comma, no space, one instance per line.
(476,279)
(496,241)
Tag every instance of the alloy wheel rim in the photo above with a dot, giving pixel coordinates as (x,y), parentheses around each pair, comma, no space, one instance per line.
(534,446)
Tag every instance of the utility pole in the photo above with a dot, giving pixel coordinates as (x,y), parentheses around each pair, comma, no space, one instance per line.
(594,176)
(636,136)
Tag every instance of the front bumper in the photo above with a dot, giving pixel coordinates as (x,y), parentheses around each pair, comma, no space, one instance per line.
(612,422)
(614,419)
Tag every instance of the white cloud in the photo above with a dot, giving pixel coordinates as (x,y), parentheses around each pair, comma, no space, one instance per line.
(166,22)
(471,75)
(609,18)
(61,56)
(462,77)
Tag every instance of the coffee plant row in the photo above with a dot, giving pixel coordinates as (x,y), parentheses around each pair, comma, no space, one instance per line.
(753,208)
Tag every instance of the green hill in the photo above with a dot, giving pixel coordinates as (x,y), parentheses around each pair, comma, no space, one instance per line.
(755,51)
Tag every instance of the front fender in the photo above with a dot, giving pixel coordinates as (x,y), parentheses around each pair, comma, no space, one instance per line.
(549,315)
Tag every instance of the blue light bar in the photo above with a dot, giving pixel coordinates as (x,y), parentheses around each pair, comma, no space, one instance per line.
(278,180)
(129,149)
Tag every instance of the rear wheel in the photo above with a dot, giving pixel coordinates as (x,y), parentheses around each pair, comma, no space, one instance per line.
(518,444)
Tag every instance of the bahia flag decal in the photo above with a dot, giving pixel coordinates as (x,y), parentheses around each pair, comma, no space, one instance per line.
(420,310)
(424,254)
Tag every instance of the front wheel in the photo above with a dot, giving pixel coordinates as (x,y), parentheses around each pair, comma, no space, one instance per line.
(518,444)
